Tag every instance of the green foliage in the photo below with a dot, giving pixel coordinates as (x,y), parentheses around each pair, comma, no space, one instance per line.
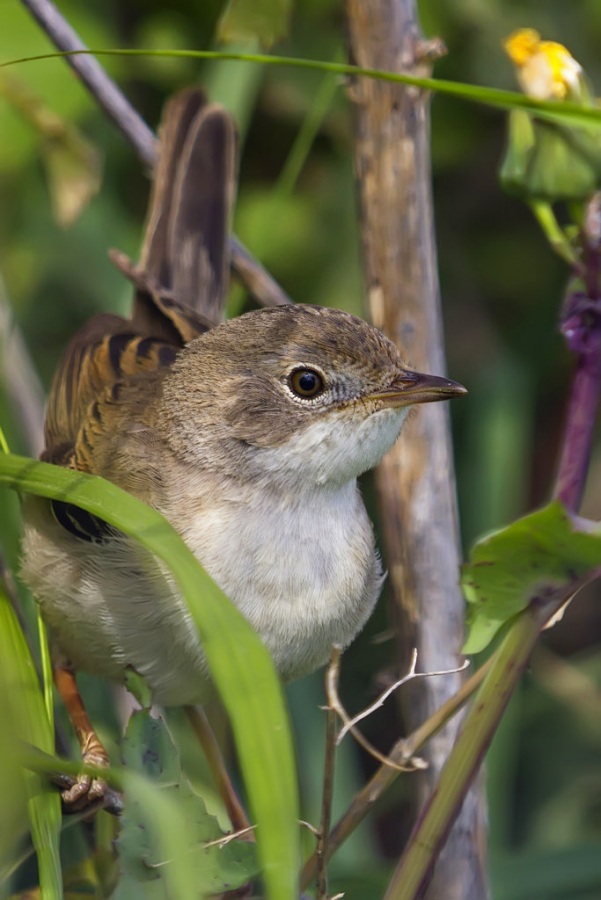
(239,663)
(522,564)
(25,718)
(548,161)
(183,826)
(501,290)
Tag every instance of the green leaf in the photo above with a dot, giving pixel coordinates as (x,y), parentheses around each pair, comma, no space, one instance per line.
(523,563)
(247,20)
(24,718)
(143,843)
(548,161)
(239,663)
(136,685)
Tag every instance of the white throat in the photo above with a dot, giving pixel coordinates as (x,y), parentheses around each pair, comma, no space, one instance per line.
(331,451)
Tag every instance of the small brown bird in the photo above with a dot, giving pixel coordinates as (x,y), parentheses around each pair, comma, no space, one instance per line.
(247,435)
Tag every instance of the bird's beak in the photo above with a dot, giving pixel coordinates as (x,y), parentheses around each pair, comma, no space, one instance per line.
(413,387)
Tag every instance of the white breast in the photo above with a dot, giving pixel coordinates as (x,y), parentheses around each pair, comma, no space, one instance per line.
(306,577)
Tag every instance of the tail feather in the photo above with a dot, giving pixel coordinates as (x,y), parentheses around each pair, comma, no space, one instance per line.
(186,243)
(181,283)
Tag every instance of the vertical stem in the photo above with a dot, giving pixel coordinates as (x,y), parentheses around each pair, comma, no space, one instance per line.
(580,425)
(415,481)
(326,807)
(580,324)
(411,878)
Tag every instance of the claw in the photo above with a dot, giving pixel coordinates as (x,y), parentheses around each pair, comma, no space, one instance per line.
(87,789)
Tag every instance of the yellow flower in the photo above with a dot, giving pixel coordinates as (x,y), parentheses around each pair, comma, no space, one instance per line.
(545,69)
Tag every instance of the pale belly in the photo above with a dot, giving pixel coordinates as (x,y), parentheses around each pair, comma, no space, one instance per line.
(109,606)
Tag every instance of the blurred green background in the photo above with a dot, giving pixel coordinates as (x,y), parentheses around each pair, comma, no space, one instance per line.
(501,290)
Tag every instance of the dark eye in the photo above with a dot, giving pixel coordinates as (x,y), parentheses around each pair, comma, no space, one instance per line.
(306,383)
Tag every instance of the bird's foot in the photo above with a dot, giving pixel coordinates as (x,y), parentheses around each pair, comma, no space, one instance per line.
(87,789)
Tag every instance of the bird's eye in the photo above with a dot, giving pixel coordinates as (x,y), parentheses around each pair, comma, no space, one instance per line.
(306,383)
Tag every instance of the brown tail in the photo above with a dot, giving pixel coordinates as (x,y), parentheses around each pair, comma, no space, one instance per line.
(181,282)
(186,243)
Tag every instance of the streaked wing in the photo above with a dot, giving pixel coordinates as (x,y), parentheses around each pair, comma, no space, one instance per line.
(100,358)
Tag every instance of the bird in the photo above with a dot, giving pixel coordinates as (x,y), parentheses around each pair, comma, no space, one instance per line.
(248,435)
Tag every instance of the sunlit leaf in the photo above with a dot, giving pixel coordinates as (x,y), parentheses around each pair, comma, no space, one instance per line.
(523,563)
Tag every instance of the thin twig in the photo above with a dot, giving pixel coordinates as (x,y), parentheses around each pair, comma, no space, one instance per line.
(335,704)
(328,783)
(402,751)
(104,90)
(411,674)
(119,110)
(314,831)
(203,731)
(228,838)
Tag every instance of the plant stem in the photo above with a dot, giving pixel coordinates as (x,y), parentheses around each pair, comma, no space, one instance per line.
(580,424)
(415,867)
(580,325)
(321,852)
(385,775)
(415,481)
(550,226)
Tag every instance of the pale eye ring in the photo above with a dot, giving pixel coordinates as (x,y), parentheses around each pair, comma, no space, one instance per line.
(306,383)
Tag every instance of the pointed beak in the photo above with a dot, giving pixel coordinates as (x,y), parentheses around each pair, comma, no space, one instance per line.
(413,387)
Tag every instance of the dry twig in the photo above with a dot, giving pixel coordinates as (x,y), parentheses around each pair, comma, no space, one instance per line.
(328,788)
(403,750)
(334,703)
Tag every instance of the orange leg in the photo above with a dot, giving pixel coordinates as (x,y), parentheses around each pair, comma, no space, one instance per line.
(86,789)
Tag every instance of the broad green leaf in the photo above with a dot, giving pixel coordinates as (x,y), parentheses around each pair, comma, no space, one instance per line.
(513,567)
(24,719)
(149,750)
(239,663)
(262,20)
(547,161)
(155,820)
